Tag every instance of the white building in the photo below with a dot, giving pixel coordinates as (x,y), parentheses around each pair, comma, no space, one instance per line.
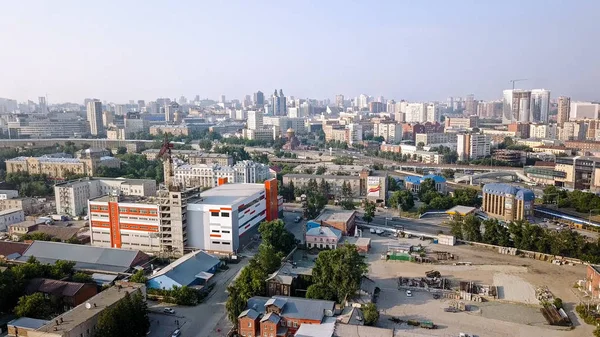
(265,134)
(416,113)
(542,131)
(435,138)
(72,196)
(363,101)
(355,133)
(433,113)
(208,175)
(94,117)
(255,120)
(584,110)
(516,106)
(473,146)
(9,217)
(8,194)
(540,105)
(390,131)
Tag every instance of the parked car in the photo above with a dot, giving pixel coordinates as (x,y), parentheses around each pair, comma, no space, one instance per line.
(408,293)
(176,333)
(169,311)
(297,219)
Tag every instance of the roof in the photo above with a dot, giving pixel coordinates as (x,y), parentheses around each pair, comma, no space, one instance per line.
(288,272)
(11,210)
(295,307)
(55,287)
(361,242)
(316,330)
(545,163)
(418,180)
(504,189)
(8,248)
(344,330)
(272,317)
(461,210)
(103,279)
(325,232)
(335,215)
(81,314)
(250,313)
(186,269)
(61,233)
(367,285)
(351,315)
(85,257)
(276,301)
(26,223)
(28,323)
(318,178)
(230,194)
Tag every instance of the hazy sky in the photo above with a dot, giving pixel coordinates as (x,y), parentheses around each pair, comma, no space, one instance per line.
(416,50)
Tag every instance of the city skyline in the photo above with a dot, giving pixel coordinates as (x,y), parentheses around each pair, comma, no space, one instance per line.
(120,53)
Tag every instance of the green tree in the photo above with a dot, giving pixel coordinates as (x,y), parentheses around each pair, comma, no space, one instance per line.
(338,272)
(466,197)
(121,150)
(369,211)
(205,144)
(319,292)
(472,228)
(269,258)
(393,184)
(347,196)
(35,306)
(139,277)
(236,303)
(129,317)
(82,278)
(371,314)
(456,229)
(274,233)
(404,199)
(448,173)
(426,186)
(321,170)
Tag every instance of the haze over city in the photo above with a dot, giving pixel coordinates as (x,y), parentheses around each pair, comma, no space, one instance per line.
(411,50)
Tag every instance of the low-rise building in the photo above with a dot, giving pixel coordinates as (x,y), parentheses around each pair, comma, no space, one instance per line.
(175,130)
(413,183)
(389,130)
(323,237)
(507,202)
(555,150)
(194,157)
(292,279)
(9,217)
(580,173)
(513,157)
(435,138)
(341,220)
(592,281)
(191,270)
(71,294)
(262,134)
(72,196)
(28,205)
(59,167)
(462,122)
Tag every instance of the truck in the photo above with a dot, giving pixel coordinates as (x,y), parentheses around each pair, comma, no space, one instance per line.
(58,217)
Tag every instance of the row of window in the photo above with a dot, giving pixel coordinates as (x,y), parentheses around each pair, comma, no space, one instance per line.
(222,231)
(223,214)
(221,243)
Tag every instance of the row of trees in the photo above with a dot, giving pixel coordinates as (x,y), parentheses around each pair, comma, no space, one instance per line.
(277,242)
(128,318)
(525,236)
(30,185)
(134,166)
(436,200)
(581,201)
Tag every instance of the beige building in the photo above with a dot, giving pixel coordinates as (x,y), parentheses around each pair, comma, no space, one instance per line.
(28,205)
(264,134)
(194,157)
(564,110)
(9,217)
(542,131)
(473,146)
(175,130)
(56,168)
(389,130)
(462,122)
(507,202)
(580,173)
(435,138)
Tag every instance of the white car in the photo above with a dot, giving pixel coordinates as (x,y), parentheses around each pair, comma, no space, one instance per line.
(408,293)
(169,311)
(176,333)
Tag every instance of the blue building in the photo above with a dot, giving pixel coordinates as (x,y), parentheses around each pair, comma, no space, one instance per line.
(413,183)
(192,270)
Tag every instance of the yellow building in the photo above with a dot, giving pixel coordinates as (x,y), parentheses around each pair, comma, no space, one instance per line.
(59,168)
(507,202)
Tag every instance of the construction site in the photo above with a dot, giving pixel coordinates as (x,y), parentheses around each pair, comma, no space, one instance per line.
(474,290)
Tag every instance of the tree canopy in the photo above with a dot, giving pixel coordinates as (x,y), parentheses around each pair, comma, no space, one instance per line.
(273,233)
(404,199)
(369,211)
(129,317)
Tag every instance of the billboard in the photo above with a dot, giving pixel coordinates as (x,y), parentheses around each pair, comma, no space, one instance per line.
(373,186)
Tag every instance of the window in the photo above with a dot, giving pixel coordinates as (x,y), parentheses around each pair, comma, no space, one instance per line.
(214,213)
(225,243)
(227,232)
(282,322)
(225,214)
(289,324)
(216,242)
(295,324)
(249,324)
(215,231)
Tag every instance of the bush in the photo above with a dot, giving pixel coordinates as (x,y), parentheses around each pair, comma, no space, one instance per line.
(558,303)
(371,314)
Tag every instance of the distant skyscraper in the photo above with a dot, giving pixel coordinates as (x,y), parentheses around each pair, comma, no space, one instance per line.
(540,105)
(94,117)
(197,98)
(182,100)
(564,110)
(380,99)
(259,99)
(433,113)
(450,104)
(170,110)
(141,104)
(339,101)
(416,113)
(390,107)
(516,106)
(279,103)
(43,105)
(363,101)
(470,105)
(222,100)
(255,120)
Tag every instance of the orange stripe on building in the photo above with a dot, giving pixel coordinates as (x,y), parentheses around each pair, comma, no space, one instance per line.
(215,235)
(226,208)
(214,210)
(115,231)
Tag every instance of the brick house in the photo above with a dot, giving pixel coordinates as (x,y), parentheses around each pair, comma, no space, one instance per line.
(71,294)
(280,316)
(592,281)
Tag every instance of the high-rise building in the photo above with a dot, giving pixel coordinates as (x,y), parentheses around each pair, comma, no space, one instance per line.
(170,110)
(279,103)
(94,117)
(470,105)
(43,106)
(222,99)
(584,110)
(255,120)
(376,107)
(390,107)
(450,104)
(564,110)
(473,146)
(363,101)
(540,105)
(416,113)
(339,101)
(259,99)
(516,106)
(433,113)
(141,104)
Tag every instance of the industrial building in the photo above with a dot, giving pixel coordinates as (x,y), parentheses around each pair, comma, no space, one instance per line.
(507,202)
(191,270)
(226,216)
(72,196)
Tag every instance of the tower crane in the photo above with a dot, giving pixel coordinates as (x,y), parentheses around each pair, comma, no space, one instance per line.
(165,155)
(517,80)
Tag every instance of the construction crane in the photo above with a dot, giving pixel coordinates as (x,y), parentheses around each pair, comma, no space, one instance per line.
(518,80)
(165,155)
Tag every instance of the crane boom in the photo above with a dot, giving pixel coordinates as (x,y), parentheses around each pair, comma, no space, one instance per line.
(517,80)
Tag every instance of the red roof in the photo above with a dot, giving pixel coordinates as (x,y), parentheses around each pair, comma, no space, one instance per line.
(8,248)
(545,163)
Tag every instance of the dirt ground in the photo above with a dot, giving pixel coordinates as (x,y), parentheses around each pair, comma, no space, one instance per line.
(515,313)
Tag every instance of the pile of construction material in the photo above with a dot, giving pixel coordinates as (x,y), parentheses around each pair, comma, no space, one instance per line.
(432,280)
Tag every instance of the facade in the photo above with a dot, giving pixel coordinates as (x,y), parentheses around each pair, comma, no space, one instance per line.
(82,320)
(71,294)
(208,175)
(584,110)
(52,127)
(462,122)
(507,202)
(259,98)
(279,103)
(435,138)
(473,146)
(342,221)
(540,105)
(542,131)
(323,238)
(255,120)
(193,157)
(580,173)
(433,113)
(72,196)
(229,214)
(588,145)
(57,168)
(281,316)
(514,157)
(516,106)
(592,281)
(413,183)
(521,130)
(9,217)
(191,270)
(416,113)
(264,134)
(94,117)
(27,205)
(564,110)
(290,280)
(175,130)
(389,130)
(350,134)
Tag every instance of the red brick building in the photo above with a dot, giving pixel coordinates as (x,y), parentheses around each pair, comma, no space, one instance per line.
(592,281)
(71,294)
(280,316)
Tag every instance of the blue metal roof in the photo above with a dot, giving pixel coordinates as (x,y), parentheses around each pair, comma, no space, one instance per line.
(503,189)
(413,180)
(185,269)
(418,180)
